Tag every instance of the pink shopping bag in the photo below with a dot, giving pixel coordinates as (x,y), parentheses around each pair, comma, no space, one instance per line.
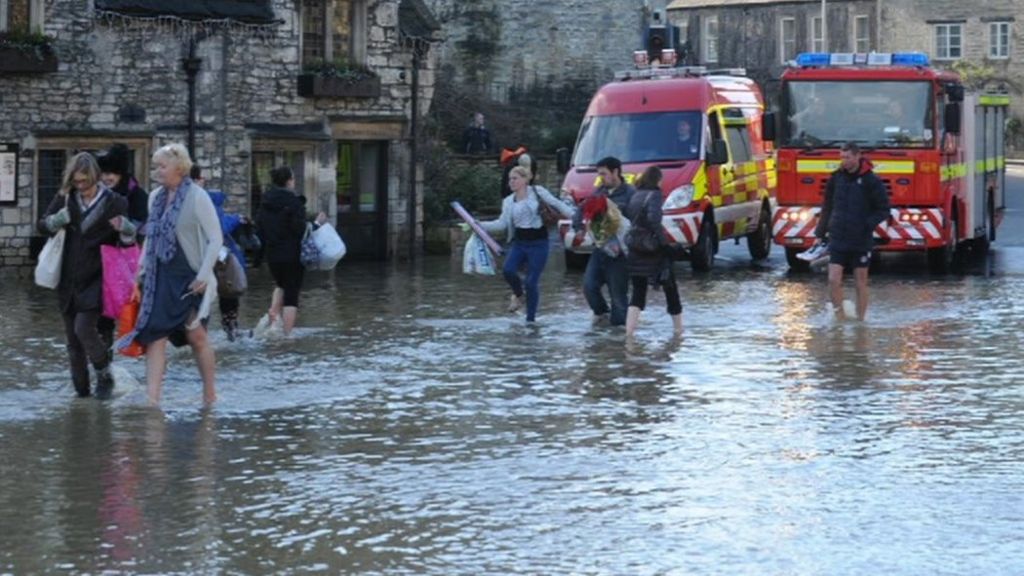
(120,264)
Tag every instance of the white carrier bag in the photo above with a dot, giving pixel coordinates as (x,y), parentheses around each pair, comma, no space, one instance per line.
(332,247)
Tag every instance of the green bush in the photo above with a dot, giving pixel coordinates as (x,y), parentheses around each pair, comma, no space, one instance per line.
(476,187)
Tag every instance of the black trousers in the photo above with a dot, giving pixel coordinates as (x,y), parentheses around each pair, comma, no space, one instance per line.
(84,346)
(639,296)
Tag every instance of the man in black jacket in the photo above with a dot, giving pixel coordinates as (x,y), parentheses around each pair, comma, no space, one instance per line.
(855,202)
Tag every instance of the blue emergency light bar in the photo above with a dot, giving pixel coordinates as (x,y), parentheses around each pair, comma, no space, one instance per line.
(824,59)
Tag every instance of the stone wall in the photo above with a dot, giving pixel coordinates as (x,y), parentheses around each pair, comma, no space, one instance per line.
(247,82)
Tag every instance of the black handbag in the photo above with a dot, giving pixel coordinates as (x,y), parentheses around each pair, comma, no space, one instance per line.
(230,274)
(642,237)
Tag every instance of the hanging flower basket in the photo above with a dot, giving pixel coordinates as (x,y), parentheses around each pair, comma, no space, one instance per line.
(26,54)
(338,80)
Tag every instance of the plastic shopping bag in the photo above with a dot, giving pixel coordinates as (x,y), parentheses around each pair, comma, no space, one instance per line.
(476,258)
(119,267)
(330,246)
(49,262)
(127,318)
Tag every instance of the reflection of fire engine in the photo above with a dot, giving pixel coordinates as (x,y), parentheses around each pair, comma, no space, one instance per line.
(938,150)
(703,129)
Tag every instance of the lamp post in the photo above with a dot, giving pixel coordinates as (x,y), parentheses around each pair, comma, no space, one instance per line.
(192,66)
(824,28)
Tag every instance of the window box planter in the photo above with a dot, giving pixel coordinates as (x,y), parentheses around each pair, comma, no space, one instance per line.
(23,58)
(318,86)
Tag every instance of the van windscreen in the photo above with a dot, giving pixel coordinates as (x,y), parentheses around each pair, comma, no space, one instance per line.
(639,138)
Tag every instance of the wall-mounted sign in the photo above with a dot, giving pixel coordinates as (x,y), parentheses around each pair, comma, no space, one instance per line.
(8,173)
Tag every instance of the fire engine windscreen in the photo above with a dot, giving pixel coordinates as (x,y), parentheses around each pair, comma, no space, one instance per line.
(639,138)
(873,114)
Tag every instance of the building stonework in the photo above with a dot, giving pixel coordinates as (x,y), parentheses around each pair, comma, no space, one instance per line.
(499,47)
(121,80)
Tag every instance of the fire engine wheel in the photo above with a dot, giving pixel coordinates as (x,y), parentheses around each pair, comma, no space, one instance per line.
(944,259)
(796,264)
(574,261)
(759,242)
(702,255)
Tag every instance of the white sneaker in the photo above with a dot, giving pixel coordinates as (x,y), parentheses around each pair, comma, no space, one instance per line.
(818,251)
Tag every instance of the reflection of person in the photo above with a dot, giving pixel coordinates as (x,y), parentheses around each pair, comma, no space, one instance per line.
(650,268)
(521,222)
(176,281)
(228,224)
(282,224)
(686,143)
(607,266)
(476,138)
(91,216)
(855,202)
(116,175)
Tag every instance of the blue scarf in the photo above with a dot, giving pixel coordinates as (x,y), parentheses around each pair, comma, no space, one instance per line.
(161,246)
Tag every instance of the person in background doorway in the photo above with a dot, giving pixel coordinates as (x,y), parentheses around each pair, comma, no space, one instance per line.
(476,138)
(282,225)
(650,268)
(855,202)
(177,286)
(228,224)
(116,174)
(91,216)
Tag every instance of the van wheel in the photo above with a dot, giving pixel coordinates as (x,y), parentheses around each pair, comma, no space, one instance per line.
(574,261)
(702,255)
(943,259)
(796,264)
(759,242)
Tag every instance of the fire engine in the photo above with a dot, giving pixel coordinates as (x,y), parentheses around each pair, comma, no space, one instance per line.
(719,177)
(938,149)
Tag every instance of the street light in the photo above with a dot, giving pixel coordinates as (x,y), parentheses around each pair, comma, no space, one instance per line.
(824,28)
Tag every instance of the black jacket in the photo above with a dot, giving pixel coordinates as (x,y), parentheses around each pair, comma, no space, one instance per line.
(81,270)
(476,140)
(282,224)
(854,204)
(644,214)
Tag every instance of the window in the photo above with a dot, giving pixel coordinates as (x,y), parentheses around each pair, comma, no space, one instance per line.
(999,40)
(737,134)
(948,41)
(265,157)
(861,34)
(333,31)
(21,15)
(711,40)
(817,35)
(55,153)
(787,39)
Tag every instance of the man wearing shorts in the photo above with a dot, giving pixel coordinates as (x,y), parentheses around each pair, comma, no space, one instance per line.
(855,202)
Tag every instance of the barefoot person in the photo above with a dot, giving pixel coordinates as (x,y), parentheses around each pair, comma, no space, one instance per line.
(855,202)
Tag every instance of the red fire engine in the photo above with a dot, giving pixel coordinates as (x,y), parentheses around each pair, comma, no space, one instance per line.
(939,151)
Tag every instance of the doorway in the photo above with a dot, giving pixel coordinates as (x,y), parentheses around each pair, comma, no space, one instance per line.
(362,197)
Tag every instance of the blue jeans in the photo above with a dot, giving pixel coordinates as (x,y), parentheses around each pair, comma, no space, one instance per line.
(603,269)
(535,254)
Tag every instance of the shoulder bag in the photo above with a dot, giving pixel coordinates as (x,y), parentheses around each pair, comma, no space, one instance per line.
(48,265)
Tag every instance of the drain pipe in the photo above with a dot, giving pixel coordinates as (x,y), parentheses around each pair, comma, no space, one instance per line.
(416,56)
(192,66)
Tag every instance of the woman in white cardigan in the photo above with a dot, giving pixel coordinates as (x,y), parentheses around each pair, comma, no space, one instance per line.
(176,282)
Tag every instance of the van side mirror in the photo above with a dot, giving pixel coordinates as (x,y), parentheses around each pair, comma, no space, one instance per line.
(562,160)
(769,126)
(718,154)
(952,118)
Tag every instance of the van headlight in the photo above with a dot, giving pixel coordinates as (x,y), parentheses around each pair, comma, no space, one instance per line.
(679,198)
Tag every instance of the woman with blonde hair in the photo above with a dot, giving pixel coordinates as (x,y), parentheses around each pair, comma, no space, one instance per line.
(91,216)
(523,226)
(176,284)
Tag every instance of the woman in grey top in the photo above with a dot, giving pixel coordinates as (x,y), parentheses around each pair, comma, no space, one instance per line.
(177,284)
(523,226)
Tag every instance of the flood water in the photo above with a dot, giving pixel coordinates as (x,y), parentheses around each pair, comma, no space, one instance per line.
(411,427)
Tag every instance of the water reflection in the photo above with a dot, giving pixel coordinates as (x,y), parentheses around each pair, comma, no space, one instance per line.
(414,428)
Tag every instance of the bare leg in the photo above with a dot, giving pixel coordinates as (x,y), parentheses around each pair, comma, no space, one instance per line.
(291,313)
(677,324)
(276,301)
(632,320)
(207,361)
(835,285)
(156,364)
(860,275)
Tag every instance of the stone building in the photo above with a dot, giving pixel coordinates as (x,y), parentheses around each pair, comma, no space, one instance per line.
(325,86)
(983,36)
(763,35)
